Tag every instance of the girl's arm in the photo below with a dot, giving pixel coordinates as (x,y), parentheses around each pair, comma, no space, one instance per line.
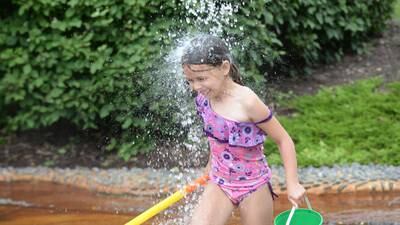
(259,111)
(288,154)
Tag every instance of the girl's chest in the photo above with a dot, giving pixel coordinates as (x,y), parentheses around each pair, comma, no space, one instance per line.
(230,111)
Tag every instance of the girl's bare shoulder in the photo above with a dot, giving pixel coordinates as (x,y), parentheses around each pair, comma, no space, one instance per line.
(248,97)
(254,107)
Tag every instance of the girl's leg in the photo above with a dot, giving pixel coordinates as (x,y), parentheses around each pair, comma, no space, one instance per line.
(257,208)
(214,207)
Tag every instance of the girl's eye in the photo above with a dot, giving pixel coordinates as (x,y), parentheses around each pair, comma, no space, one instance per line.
(201,79)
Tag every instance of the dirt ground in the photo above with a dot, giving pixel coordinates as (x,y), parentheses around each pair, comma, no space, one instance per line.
(63,146)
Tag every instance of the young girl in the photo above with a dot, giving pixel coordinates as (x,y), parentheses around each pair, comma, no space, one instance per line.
(236,122)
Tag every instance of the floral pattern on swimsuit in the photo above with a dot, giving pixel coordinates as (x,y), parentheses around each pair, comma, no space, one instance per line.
(238,164)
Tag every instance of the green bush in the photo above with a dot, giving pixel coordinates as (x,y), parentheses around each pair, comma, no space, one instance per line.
(314,32)
(90,63)
(353,123)
(81,61)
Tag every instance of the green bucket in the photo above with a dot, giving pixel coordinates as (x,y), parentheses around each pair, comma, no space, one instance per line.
(297,216)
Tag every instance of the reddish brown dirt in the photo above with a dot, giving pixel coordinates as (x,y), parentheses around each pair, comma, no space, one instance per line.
(61,204)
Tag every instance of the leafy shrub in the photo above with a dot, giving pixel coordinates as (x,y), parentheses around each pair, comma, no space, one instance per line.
(81,61)
(88,62)
(310,32)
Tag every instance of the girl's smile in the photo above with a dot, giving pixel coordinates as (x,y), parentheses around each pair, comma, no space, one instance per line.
(207,80)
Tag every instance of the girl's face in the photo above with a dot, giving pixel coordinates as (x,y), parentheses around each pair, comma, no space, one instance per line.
(206,79)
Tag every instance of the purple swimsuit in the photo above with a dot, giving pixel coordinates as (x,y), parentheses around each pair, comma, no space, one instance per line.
(238,164)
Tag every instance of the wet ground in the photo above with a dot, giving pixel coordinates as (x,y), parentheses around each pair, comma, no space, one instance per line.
(45,203)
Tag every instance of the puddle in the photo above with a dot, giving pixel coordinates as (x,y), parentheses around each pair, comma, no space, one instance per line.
(23,203)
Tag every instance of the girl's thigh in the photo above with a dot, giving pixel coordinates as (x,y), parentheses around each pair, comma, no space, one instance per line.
(257,208)
(214,207)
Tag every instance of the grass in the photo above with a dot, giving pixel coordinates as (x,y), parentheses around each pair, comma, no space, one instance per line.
(396,14)
(346,124)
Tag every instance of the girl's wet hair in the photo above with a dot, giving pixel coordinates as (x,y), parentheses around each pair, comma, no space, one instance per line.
(210,50)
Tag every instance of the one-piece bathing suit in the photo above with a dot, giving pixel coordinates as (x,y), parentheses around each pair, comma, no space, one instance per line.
(238,164)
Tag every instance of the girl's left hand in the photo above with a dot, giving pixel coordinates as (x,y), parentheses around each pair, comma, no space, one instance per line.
(296,193)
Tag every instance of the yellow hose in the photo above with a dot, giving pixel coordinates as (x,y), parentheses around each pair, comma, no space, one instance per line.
(167,202)
(156,208)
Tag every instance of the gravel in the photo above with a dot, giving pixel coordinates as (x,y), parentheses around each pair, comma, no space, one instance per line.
(147,181)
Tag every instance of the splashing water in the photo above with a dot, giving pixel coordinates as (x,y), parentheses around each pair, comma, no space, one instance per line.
(170,87)
(208,17)
(211,15)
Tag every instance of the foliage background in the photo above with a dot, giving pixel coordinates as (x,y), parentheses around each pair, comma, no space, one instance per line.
(87,63)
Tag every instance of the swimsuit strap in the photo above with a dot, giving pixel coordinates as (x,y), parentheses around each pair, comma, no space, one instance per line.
(269,117)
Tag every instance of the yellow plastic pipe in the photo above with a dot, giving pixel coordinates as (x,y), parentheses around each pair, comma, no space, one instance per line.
(146,215)
(156,208)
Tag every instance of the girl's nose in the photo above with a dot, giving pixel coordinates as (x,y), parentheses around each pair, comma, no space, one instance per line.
(195,86)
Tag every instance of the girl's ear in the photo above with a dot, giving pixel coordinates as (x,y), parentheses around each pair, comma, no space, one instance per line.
(225,67)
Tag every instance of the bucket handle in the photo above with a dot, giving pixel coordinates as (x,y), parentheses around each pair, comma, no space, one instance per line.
(295,207)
